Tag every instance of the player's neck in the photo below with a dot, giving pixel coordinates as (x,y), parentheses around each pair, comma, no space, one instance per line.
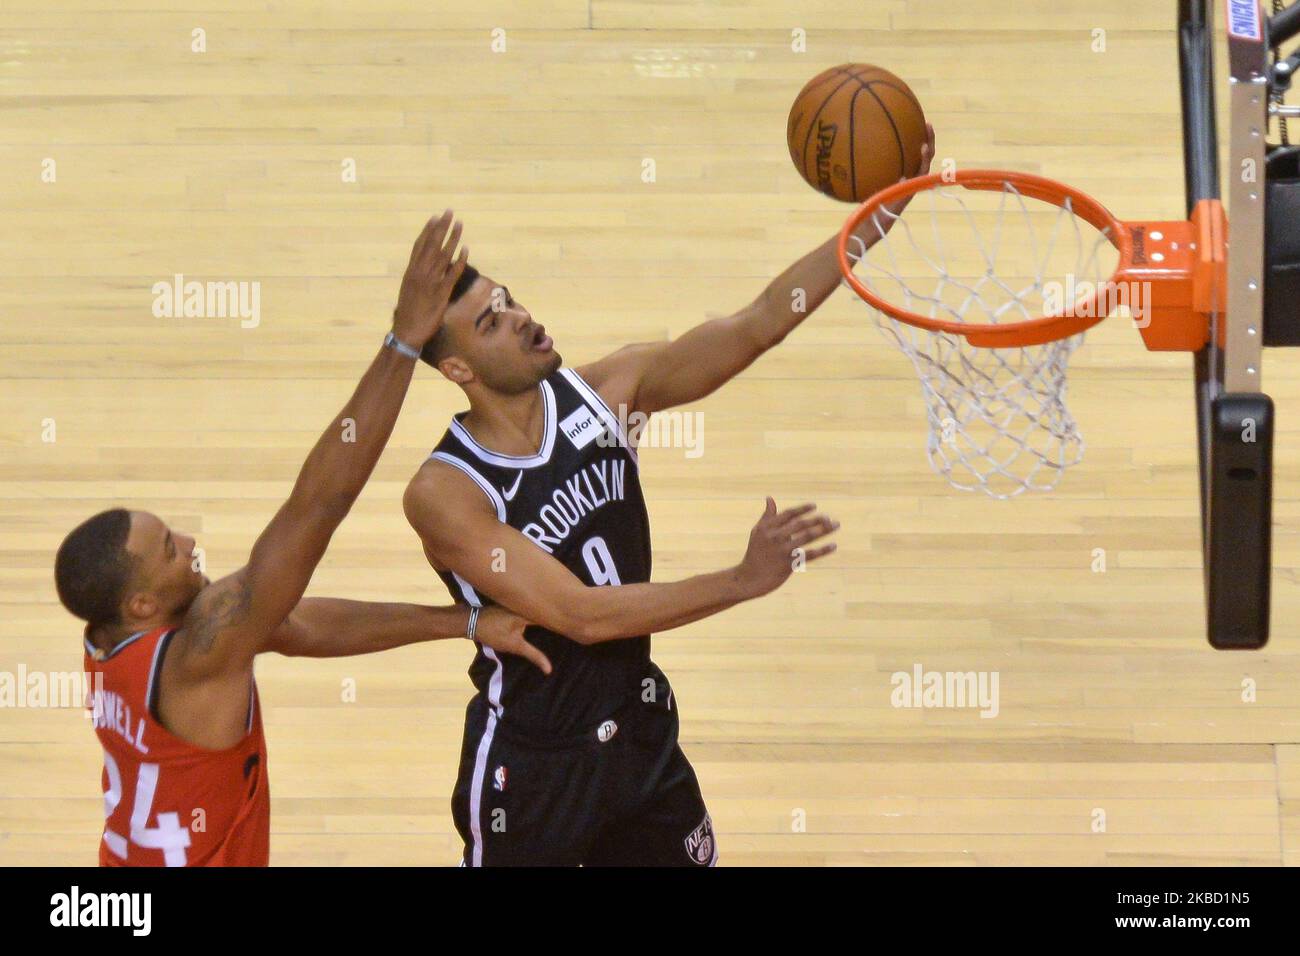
(106,638)
(507,424)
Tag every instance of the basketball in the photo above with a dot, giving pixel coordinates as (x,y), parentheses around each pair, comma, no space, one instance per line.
(855,129)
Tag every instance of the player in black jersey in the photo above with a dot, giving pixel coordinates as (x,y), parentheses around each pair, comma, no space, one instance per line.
(531,500)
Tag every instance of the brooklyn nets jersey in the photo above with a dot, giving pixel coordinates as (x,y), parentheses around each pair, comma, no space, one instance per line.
(578,499)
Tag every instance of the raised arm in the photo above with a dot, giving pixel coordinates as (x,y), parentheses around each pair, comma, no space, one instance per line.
(234,618)
(658,375)
(461,532)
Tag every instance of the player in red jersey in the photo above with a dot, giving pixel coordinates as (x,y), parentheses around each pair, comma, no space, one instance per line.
(170,654)
(171,802)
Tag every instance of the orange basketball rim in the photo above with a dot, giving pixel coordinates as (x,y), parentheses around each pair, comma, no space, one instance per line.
(1183,263)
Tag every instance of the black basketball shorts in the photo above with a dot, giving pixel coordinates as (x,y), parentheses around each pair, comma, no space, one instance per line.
(622,794)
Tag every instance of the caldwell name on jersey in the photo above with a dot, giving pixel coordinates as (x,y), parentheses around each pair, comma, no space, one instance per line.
(579,499)
(166,801)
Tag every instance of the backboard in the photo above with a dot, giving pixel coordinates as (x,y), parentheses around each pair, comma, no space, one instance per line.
(1234,415)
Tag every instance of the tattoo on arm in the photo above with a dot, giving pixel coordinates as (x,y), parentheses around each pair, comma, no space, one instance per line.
(227,607)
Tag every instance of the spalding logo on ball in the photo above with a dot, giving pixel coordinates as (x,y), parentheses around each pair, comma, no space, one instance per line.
(855,129)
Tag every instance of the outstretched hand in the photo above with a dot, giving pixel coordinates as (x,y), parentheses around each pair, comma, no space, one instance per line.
(777,544)
(430,276)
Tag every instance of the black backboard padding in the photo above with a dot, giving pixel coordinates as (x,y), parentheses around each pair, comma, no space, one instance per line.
(1238,536)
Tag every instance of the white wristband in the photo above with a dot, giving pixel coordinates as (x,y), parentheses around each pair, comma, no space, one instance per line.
(393,342)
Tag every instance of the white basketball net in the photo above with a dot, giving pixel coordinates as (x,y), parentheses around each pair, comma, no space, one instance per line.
(998,419)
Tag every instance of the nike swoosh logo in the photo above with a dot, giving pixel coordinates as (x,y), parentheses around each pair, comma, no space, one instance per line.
(510,495)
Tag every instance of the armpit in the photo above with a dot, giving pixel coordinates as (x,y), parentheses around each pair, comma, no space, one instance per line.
(219,606)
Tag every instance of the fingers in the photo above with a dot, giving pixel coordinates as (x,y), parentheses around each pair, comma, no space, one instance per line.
(796,527)
(792,523)
(816,553)
(927,151)
(811,529)
(442,284)
(458,266)
(431,257)
(539,659)
(439,254)
(435,228)
(453,239)
(791,514)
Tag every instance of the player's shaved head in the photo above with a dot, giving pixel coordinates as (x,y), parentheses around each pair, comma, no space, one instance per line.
(93,567)
(125,569)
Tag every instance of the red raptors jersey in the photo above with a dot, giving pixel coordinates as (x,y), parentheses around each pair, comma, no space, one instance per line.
(168,802)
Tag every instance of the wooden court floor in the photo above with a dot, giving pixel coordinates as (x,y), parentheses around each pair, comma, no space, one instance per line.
(1120,737)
